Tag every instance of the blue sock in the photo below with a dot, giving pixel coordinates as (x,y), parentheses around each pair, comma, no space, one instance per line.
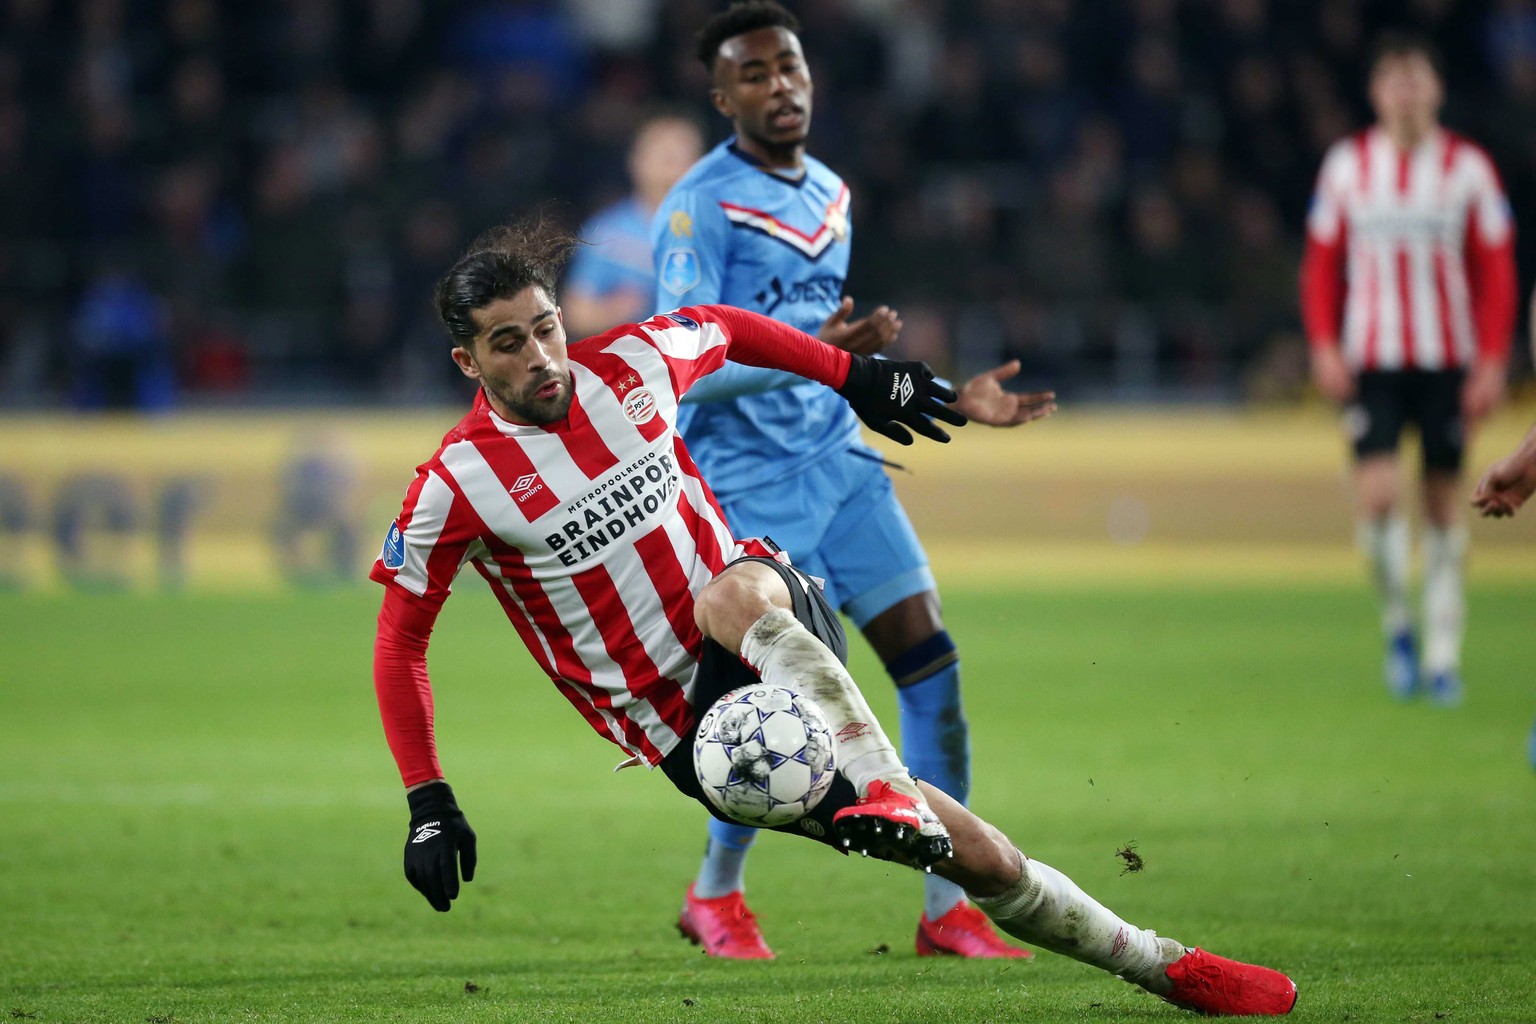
(935,738)
(725,860)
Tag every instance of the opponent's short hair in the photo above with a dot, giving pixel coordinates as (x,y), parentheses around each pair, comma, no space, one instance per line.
(739,18)
(499,264)
(1398,42)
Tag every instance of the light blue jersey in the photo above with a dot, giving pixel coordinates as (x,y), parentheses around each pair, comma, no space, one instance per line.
(618,257)
(733,232)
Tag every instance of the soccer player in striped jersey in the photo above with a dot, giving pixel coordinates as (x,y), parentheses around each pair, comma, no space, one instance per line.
(568,489)
(1408,296)
(759,224)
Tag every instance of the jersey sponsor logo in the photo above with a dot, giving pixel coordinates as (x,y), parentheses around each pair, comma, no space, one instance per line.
(393,555)
(823,289)
(622,503)
(640,406)
(681,224)
(680,270)
(525,487)
(682,321)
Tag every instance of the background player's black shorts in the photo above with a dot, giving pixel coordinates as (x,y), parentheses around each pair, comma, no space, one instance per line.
(1429,399)
(721,671)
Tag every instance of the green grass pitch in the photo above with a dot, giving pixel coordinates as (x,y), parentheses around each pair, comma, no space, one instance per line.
(201,821)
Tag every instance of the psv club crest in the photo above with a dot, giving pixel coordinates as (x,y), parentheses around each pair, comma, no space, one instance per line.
(640,406)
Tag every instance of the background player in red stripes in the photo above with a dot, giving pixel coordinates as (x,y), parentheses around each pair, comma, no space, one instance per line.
(569,490)
(1408,296)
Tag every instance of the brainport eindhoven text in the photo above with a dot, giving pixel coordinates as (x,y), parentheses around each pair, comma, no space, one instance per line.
(623,501)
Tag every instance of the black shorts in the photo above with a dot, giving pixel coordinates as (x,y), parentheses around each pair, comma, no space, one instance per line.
(721,671)
(1429,399)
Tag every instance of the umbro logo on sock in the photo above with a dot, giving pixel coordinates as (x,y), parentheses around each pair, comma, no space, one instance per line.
(425,832)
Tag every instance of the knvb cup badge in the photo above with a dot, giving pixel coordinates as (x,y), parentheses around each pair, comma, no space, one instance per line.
(393,554)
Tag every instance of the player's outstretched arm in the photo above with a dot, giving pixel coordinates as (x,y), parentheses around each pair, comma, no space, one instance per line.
(439,842)
(893,397)
(984,399)
(1508,482)
(890,395)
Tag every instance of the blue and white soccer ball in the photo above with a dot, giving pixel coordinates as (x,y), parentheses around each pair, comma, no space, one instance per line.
(764,755)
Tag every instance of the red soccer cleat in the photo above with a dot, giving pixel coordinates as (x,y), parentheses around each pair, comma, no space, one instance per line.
(1218,987)
(964,931)
(723,926)
(892,825)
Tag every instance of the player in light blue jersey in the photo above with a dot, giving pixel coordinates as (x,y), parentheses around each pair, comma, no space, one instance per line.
(611,280)
(759,224)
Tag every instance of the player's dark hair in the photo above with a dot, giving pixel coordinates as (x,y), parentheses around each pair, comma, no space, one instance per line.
(499,264)
(738,19)
(1399,42)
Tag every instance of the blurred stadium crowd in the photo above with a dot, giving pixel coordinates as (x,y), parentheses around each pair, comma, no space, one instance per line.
(206,202)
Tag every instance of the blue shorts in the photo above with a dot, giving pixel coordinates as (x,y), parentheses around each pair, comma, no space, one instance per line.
(839,520)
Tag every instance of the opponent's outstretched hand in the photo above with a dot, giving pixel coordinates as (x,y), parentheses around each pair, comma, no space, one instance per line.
(862,337)
(983,399)
(439,843)
(890,395)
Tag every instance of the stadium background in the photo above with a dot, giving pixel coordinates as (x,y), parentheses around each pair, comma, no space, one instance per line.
(1168,636)
(230,216)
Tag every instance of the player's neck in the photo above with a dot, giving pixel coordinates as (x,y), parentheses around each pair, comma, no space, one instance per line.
(779,159)
(1408,136)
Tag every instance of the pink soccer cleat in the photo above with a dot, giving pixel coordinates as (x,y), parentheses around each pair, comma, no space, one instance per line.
(894,826)
(964,931)
(1213,985)
(723,926)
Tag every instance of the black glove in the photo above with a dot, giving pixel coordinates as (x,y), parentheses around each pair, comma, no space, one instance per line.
(887,393)
(440,841)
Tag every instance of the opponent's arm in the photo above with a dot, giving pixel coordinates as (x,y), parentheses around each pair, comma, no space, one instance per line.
(1508,482)
(439,842)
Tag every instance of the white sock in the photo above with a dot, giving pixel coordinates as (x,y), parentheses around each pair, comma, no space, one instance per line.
(787,654)
(1046,908)
(1445,604)
(1385,543)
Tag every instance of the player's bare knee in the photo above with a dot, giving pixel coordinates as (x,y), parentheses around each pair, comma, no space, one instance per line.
(740,595)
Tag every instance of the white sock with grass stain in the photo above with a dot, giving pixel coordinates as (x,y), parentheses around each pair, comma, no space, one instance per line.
(787,654)
(1046,908)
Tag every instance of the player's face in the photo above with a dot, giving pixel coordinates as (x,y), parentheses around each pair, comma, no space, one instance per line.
(763,85)
(1406,91)
(518,357)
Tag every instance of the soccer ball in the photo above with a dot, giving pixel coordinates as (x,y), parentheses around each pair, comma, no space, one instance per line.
(764,755)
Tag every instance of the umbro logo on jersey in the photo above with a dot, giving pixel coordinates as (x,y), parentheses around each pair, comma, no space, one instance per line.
(525,487)
(426,832)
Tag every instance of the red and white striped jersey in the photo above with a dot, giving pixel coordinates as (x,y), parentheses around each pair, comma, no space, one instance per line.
(1409,259)
(594,533)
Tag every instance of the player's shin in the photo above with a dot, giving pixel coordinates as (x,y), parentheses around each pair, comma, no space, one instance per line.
(1445,610)
(1385,543)
(787,654)
(1046,908)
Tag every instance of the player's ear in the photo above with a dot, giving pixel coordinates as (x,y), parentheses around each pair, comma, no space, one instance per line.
(466,362)
(722,103)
